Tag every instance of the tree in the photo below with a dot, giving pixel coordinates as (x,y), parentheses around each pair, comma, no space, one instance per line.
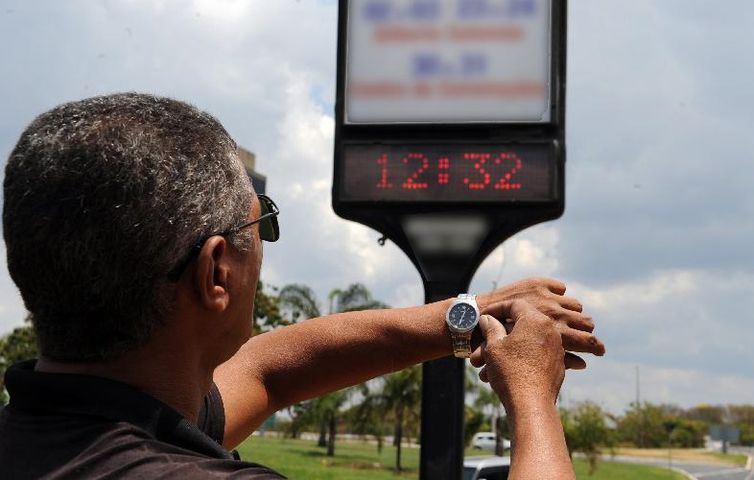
(687,433)
(710,414)
(267,314)
(367,417)
(741,414)
(642,425)
(743,417)
(401,393)
(355,297)
(327,408)
(297,303)
(474,421)
(396,396)
(645,424)
(18,345)
(586,432)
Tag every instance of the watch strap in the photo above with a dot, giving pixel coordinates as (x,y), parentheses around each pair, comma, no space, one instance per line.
(461,344)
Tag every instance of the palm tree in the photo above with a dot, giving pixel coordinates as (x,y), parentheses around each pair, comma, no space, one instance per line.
(299,302)
(367,417)
(402,394)
(355,297)
(398,396)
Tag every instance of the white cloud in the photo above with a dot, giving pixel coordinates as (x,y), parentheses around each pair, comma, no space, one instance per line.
(533,252)
(650,291)
(228,11)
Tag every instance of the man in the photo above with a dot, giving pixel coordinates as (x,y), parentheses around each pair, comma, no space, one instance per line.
(135,240)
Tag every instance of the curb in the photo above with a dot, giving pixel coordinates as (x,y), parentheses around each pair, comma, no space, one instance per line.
(683,472)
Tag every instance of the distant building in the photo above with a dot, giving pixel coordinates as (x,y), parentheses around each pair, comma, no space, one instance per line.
(249,160)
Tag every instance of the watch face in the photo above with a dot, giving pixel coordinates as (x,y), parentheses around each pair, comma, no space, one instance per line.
(462,316)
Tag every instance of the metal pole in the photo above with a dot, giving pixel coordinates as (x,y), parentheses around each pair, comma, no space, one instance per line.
(443,393)
(639,411)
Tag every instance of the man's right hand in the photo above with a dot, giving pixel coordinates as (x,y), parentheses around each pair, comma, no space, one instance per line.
(526,369)
(526,366)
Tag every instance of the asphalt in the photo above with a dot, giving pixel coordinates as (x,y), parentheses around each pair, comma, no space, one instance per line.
(698,471)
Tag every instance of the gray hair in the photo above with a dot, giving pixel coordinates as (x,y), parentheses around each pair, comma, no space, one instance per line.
(103,197)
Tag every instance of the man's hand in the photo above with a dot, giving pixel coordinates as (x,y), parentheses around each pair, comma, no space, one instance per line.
(548,297)
(525,369)
(526,366)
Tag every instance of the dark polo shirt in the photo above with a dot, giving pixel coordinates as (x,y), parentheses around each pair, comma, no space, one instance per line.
(61,426)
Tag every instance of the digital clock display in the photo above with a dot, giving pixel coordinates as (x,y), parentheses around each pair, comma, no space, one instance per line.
(451,172)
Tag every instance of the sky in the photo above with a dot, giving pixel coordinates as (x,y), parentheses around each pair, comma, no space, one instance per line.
(657,235)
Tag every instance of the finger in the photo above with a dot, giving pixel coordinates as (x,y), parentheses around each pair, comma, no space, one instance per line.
(555,286)
(571,303)
(521,310)
(477,356)
(491,329)
(576,320)
(499,310)
(578,341)
(574,362)
(483,375)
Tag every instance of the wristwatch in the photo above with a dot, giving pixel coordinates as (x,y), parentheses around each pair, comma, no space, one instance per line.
(462,317)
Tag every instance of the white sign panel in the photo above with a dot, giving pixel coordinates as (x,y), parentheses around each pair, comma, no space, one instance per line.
(448,61)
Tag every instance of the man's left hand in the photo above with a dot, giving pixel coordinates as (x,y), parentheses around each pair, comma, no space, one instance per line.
(548,296)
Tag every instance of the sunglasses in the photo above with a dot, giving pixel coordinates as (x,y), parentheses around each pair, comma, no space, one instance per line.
(269,231)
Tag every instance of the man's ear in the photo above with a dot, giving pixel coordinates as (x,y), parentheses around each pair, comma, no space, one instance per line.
(212,273)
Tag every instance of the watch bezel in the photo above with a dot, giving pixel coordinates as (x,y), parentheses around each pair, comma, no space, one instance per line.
(471,302)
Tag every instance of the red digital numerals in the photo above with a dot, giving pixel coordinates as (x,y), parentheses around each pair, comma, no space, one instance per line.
(484,180)
(514,164)
(501,168)
(383,183)
(412,182)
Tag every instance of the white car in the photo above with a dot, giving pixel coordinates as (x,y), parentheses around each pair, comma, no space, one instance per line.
(486,441)
(486,468)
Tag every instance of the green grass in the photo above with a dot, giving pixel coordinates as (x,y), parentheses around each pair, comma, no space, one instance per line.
(734,458)
(300,459)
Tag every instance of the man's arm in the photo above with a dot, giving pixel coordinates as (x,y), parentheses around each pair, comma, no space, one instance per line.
(280,368)
(526,370)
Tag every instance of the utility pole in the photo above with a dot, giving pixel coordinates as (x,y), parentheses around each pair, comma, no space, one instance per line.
(639,411)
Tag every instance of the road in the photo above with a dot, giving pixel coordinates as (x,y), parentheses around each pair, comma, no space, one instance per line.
(698,471)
